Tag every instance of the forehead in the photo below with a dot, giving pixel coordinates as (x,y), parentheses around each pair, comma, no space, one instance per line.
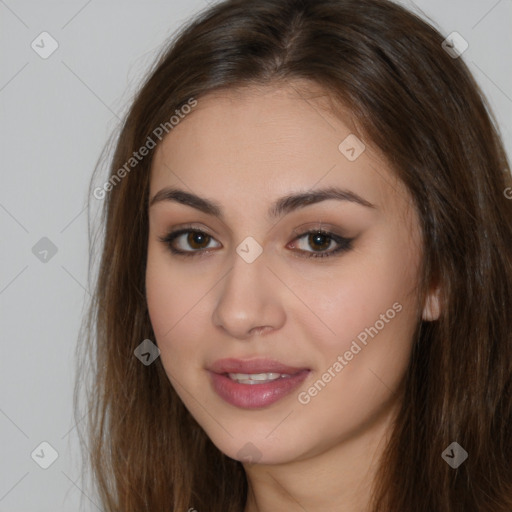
(263,142)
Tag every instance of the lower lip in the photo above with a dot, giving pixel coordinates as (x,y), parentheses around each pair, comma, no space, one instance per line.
(255,396)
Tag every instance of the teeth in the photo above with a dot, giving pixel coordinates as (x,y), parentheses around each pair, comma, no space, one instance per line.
(256,378)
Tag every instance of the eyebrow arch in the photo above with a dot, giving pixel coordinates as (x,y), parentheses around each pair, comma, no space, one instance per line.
(281,206)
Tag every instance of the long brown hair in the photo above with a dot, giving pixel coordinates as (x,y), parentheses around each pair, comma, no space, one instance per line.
(423,110)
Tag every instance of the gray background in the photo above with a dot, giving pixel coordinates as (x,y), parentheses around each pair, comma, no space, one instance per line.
(56,115)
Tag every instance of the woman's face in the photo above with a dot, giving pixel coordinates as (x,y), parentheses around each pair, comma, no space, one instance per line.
(281,344)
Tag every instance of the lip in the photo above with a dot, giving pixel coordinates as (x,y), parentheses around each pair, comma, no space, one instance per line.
(254,396)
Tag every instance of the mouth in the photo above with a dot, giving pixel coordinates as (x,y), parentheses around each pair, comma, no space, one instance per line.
(256,378)
(256,383)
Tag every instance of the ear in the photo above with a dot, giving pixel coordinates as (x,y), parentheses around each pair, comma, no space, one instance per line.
(432,307)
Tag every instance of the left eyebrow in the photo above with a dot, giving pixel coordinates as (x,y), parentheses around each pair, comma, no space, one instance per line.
(283,205)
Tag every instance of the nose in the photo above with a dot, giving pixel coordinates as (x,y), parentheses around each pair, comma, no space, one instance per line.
(250,300)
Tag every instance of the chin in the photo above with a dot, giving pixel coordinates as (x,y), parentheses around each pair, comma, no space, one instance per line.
(253,447)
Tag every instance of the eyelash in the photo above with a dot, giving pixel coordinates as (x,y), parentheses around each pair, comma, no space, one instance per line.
(345,244)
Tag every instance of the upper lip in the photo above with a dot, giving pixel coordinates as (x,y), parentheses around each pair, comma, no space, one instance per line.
(253,366)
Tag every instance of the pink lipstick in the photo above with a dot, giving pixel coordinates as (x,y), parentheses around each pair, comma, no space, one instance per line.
(255,383)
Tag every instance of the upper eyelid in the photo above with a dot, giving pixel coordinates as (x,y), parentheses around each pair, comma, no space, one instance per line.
(300,231)
(305,227)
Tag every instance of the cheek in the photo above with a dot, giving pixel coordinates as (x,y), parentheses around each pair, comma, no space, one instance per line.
(379,315)
(371,312)
(368,283)
(170,299)
(160,295)
(177,300)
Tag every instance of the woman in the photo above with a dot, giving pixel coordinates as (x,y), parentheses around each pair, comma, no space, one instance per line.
(306,277)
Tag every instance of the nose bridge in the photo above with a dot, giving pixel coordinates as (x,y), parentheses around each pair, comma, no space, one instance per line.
(246,300)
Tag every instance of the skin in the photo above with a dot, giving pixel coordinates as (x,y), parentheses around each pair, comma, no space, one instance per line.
(244,149)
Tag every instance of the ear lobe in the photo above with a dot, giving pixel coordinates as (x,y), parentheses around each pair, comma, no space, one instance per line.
(432,307)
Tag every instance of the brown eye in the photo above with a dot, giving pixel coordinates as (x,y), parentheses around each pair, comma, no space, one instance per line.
(187,242)
(197,239)
(320,241)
